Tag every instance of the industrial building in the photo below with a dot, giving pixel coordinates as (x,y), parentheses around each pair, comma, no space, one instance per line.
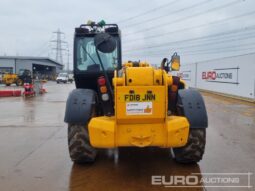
(40,66)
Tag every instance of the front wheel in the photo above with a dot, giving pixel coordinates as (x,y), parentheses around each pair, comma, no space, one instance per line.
(193,151)
(80,149)
(19,82)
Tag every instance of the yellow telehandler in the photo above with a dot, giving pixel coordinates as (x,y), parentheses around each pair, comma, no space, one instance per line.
(129,105)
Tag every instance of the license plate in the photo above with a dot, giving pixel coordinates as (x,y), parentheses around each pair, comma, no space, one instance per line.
(139,97)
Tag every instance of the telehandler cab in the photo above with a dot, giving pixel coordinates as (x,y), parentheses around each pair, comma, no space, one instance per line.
(133,104)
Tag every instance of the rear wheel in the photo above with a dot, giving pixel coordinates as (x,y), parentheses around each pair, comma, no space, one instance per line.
(80,149)
(193,151)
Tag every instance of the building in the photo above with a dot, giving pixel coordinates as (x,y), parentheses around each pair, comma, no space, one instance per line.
(233,76)
(40,66)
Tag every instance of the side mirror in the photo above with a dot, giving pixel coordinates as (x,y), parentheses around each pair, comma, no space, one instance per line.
(175,62)
(165,65)
(105,43)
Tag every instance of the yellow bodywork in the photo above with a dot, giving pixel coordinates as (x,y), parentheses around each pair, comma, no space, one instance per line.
(140,112)
(9,79)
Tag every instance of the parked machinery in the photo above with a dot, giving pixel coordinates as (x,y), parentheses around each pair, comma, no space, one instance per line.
(17,79)
(9,79)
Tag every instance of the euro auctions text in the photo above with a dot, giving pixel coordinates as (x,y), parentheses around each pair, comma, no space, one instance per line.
(231,180)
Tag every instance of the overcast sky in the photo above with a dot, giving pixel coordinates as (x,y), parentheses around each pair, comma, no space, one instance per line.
(151,29)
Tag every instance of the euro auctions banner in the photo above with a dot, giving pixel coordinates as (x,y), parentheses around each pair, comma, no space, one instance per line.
(185,75)
(232,75)
(221,75)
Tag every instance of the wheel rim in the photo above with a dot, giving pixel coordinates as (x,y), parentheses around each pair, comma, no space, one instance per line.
(19,82)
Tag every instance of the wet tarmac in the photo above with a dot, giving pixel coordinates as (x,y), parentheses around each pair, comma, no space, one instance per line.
(34,153)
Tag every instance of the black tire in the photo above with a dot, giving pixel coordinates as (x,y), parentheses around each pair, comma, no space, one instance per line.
(19,82)
(57,82)
(80,149)
(7,84)
(193,151)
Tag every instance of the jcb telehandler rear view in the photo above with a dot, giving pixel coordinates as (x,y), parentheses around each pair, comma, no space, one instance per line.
(133,104)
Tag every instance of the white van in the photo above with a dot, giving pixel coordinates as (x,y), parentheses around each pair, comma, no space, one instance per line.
(64,78)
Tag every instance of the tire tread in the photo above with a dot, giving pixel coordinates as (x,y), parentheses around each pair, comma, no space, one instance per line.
(193,151)
(80,149)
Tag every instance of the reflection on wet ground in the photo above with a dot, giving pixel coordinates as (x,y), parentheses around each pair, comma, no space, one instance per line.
(34,155)
(133,171)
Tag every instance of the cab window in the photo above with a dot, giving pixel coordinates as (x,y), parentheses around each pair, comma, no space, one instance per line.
(87,58)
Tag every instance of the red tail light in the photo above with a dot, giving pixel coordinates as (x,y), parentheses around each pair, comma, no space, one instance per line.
(101,81)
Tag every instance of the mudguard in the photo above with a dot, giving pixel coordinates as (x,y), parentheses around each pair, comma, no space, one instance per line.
(79,106)
(191,105)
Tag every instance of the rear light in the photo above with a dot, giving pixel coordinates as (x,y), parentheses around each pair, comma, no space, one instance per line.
(174,88)
(105,97)
(103,89)
(101,81)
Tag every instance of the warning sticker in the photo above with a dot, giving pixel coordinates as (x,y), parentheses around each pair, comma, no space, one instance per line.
(139,108)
